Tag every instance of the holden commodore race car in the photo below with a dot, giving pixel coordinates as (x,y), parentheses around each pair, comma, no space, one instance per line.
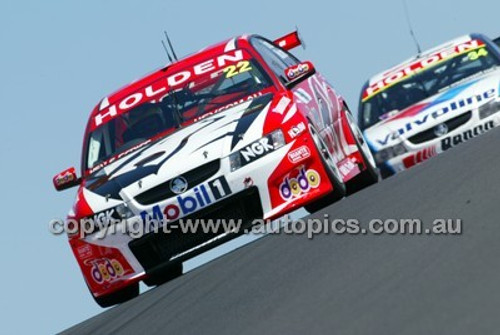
(240,130)
(431,103)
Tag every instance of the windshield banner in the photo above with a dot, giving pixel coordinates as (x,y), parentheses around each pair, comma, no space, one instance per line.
(418,66)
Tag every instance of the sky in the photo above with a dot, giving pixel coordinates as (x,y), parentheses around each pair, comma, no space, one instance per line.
(59,58)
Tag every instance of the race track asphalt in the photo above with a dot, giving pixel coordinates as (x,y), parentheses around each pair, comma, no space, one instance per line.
(351,284)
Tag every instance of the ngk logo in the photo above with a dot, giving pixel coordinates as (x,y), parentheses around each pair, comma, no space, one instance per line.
(256,150)
(104,218)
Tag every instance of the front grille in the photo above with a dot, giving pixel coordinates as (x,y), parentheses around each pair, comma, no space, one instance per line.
(193,177)
(452,124)
(156,249)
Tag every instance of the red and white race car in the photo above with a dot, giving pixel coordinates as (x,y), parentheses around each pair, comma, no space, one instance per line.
(240,130)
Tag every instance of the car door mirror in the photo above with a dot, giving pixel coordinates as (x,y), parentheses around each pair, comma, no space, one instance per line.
(297,73)
(497,41)
(66,179)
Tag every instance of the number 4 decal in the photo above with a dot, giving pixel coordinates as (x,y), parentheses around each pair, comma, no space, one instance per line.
(474,55)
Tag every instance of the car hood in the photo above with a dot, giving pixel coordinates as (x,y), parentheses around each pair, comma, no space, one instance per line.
(434,111)
(205,141)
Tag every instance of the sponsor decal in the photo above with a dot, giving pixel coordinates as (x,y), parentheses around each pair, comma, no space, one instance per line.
(65,178)
(96,222)
(105,269)
(420,156)
(450,142)
(230,105)
(256,150)
(162,86)
(282,105)
(104,217)
(297,130)
(347,167)
(117,157)
(301,184)
(296,71)
(418,66)
(84,251)
(178,185)
(233,70)
(200,197)
(420,121)
(299,154)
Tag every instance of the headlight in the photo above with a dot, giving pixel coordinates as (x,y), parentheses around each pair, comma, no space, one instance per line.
(488,109)
(124,212)
(111,216)
(256,150)
(391,152)
(235,161)
(278,140)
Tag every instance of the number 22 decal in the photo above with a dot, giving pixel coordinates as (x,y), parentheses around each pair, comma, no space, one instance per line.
(233,70)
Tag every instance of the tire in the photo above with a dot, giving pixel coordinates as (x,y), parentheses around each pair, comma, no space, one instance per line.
(339,188)
(118,297)
(170,273)
(371,174)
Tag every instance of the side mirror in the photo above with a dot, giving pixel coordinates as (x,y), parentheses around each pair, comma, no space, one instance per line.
(297,73)
(497,41)
(66,179)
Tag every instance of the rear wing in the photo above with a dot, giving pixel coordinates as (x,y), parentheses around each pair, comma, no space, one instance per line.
(290,41)
(497,41)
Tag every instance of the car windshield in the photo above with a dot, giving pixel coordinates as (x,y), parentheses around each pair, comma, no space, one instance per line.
(424,84)
(201,96)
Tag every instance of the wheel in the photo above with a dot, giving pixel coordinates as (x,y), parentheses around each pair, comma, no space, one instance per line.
(371,174)
(170,273)
(118,297)
(339,188)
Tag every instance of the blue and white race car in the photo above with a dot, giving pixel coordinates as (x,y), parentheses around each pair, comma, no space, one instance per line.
(432,102)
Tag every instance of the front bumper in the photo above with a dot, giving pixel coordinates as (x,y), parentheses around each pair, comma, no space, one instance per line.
(155,251)
(420,152)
